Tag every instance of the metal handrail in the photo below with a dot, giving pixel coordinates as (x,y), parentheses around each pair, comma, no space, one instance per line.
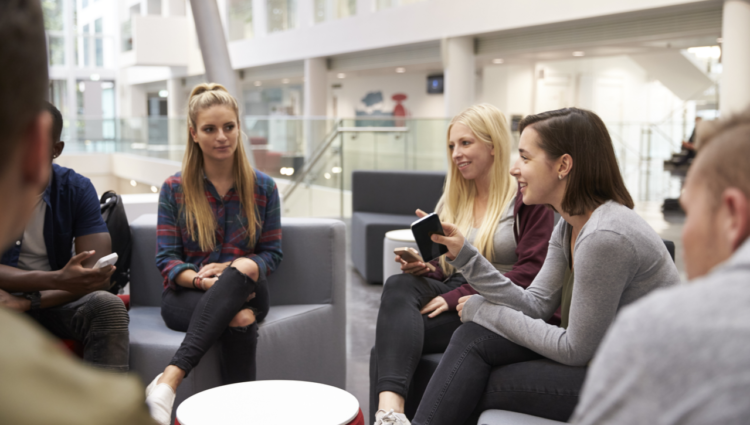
(330,138)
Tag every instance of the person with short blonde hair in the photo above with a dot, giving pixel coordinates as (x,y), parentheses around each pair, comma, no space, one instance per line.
(218,237)
(681,356)
(418,308)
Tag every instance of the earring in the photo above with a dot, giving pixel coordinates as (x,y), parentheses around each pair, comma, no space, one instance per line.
(559,176)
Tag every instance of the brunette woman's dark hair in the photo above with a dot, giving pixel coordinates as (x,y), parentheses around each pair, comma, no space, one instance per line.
(595,177)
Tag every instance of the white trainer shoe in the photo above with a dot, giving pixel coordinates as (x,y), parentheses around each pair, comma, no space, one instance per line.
(390,418)
(160,399)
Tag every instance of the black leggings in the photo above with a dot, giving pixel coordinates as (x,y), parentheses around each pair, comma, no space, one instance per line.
(482,370)
(205,316)
(403,334)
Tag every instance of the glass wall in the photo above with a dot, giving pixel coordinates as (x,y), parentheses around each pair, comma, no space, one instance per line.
(326,10)
(385,4)
(240,19)
(53,23)
(282,15)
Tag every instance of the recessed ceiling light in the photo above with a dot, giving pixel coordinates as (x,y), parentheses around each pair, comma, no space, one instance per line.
(578,54)
(163,93)
(400,69)
(285,81)
(95,77)
(497,61)
(341,75)
(133,183)
(257,84)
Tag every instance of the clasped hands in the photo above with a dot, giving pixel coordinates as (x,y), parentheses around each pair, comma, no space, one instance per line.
(209,273)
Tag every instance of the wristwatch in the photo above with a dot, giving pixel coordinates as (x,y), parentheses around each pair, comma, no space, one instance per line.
(35,298)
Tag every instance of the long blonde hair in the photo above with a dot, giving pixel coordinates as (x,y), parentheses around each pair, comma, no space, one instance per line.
(199,218)
(456,205)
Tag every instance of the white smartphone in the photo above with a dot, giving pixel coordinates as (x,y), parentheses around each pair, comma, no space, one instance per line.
(107,260)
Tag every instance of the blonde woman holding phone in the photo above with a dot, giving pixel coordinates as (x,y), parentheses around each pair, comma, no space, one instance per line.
(218,237)
(418,308)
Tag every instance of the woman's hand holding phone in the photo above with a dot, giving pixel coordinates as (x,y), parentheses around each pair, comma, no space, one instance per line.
(453,238)
(417,268)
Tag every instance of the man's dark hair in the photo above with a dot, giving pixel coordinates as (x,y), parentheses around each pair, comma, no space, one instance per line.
(23,70)
(595,177)
(57,122)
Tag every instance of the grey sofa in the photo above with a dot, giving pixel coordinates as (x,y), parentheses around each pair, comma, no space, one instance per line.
(383,201)
(302,338)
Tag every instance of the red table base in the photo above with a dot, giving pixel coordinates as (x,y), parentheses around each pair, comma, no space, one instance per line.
(359,420)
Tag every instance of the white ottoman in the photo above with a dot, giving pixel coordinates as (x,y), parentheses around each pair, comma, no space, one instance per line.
(395,239)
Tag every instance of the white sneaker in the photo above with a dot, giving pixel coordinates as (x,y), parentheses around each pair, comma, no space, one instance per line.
(390,418)
(160,399)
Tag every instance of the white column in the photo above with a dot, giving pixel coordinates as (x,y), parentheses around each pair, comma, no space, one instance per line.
(305,14)
(734,94)
(315,98)
(260,18)
(460,74)
(177,100)
(176,113)
(173,7)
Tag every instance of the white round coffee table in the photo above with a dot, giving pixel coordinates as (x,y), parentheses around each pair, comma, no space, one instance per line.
(395,239)
(271,403)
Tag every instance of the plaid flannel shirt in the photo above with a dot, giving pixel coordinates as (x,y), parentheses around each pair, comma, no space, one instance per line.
(177,252)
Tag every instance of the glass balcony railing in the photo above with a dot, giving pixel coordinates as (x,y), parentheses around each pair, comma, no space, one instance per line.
(312,159)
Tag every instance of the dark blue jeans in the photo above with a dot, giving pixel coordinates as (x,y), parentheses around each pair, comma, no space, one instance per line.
(100,321)
(482,370)
(205,316)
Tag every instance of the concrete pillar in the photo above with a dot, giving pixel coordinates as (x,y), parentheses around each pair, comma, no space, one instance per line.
(213,43)
(177,116)
(315,102)
(460,74)
(734,94)
(177,100)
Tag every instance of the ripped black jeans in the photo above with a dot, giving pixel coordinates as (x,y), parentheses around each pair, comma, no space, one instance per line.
(205,316)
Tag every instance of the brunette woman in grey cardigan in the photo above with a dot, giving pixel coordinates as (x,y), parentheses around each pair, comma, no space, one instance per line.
(602,256)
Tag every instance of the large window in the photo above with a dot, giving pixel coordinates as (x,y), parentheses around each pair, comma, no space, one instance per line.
(385,4)
(53,15)
(326,10)
(240,19)
(282,15)
(53,23)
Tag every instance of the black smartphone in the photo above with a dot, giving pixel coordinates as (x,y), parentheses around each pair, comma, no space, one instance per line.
(423,229)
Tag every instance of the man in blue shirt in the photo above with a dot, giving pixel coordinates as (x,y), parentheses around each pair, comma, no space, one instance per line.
(60,291)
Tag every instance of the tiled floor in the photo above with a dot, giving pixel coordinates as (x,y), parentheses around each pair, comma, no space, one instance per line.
(363,300)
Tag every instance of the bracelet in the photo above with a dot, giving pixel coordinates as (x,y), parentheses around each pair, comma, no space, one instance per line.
(200,283)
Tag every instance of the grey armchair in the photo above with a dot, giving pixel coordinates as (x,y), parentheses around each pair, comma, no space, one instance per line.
(302,338)
(383,201)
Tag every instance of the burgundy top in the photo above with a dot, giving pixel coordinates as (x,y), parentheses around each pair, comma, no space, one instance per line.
(532,232)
